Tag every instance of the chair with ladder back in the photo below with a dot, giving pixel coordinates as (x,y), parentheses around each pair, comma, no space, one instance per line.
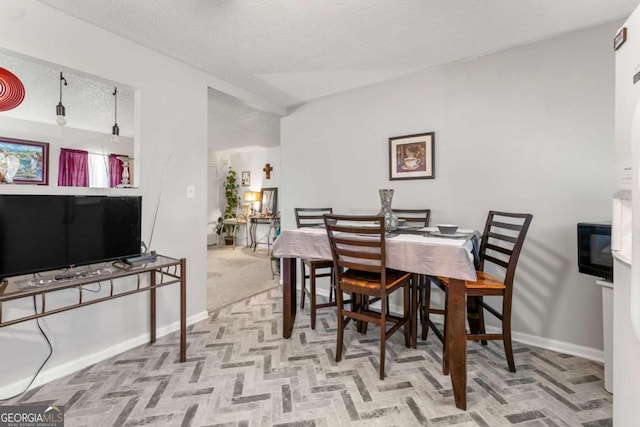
(502,241)
(358,248)
(414,220)
(312,217)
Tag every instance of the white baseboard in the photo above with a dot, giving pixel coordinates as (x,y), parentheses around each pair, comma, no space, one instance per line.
(56,372)
(588,353)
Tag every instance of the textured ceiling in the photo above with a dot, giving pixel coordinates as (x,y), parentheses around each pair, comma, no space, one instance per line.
(293,51)
(88,101)
(233,124)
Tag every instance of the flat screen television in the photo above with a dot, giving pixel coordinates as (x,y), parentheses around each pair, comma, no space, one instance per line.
(50,232)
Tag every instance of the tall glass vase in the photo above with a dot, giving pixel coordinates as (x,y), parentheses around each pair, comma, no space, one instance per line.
(390,218)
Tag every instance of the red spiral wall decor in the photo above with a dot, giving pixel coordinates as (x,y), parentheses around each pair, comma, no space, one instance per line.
(11,90)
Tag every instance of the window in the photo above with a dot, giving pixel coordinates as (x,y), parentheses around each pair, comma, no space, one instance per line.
(98,171)
(79,168)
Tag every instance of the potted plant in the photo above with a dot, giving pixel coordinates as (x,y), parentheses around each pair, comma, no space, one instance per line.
(233,199)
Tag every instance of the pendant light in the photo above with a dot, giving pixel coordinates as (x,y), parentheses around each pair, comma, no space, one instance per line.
(61,120)
(115,130)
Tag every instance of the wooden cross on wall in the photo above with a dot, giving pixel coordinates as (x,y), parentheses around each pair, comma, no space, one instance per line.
(267,170)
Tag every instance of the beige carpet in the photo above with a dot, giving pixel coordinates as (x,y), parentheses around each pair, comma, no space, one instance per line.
(236,274)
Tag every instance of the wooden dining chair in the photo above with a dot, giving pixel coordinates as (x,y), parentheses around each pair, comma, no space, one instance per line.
(312,217)
(500,248)
(358,248)
(415,218)
(418,218)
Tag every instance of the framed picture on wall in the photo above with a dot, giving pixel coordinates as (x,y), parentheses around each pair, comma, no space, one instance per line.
(24,162)
(412,156)
(246,178)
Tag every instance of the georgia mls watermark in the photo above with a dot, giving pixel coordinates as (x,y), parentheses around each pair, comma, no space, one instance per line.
(32,416)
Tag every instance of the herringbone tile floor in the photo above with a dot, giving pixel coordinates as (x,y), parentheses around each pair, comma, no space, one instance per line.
(241,372)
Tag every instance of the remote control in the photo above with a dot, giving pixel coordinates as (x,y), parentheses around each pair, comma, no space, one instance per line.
(141,258)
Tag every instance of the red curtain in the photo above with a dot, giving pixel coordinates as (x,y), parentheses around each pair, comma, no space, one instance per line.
(115,169)
(73,168)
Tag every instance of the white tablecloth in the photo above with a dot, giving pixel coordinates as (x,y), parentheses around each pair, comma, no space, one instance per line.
(413,253)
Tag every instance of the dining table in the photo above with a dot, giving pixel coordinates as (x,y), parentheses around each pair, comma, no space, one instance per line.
(418,251)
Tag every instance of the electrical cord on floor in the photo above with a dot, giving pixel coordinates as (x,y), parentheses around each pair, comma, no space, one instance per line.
(35,309)
(84,288)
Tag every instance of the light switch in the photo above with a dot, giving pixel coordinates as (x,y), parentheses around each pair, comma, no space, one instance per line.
(191,192)
(624,175)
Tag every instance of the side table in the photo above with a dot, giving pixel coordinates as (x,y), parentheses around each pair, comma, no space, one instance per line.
(254,221)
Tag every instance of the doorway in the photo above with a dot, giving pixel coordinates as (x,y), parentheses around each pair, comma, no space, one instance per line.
(244,138)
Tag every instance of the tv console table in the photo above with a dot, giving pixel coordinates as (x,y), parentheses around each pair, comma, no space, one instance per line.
(164,271)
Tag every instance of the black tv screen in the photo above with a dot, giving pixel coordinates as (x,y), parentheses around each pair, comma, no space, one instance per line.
(49,232)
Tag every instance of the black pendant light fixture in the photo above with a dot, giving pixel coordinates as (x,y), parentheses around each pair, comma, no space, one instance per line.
(115,130)
(60,112)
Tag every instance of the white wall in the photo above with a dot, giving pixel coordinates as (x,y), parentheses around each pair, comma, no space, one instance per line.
(526,130)
(253,161)
(171,128)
